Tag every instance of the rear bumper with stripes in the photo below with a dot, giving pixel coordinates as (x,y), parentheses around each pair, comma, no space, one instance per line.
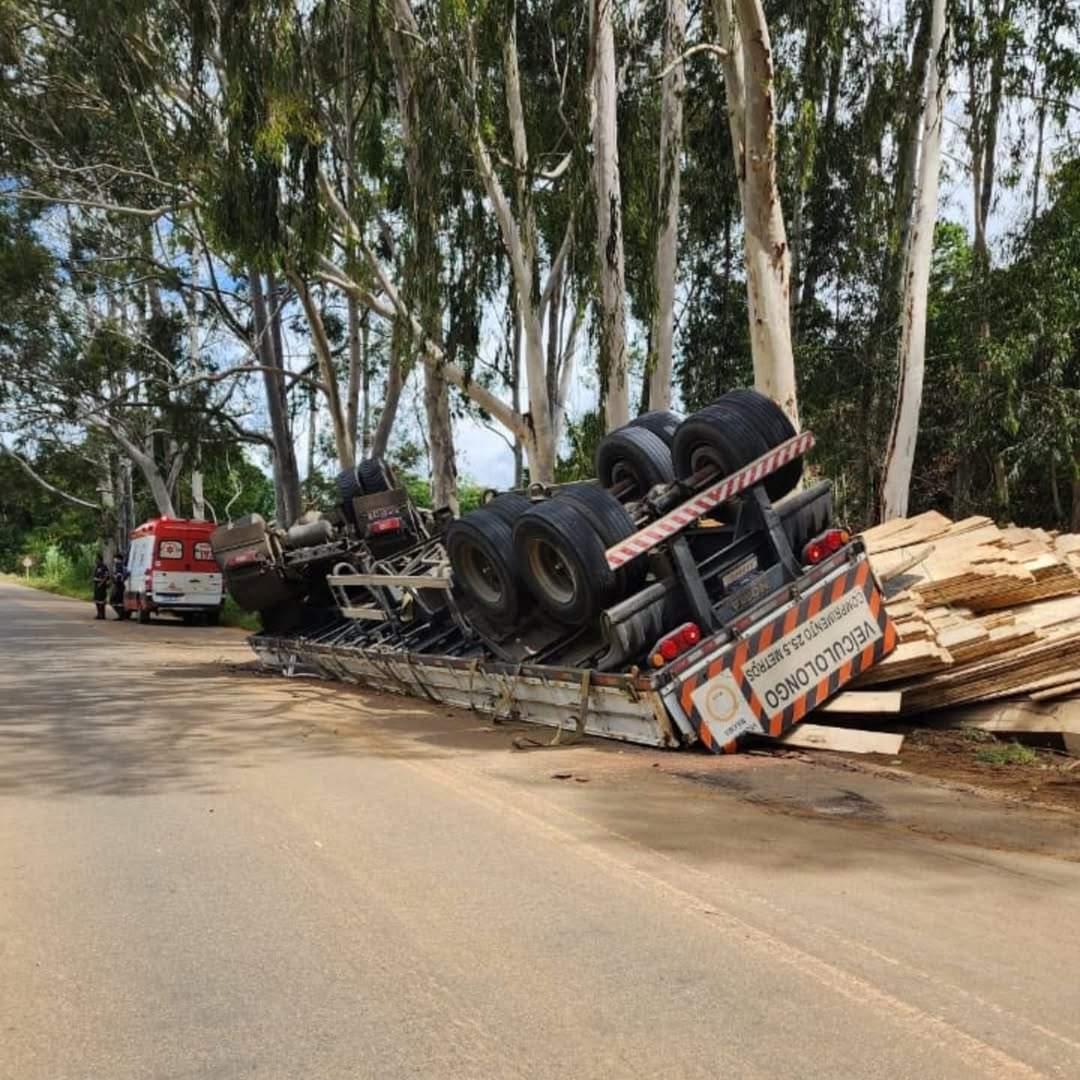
(787,663)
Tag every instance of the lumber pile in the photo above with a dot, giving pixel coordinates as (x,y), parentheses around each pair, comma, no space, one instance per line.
(986,617)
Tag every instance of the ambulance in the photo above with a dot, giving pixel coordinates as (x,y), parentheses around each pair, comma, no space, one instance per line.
(171,569)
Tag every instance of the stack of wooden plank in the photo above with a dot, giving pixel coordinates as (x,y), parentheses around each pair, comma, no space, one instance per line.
(983,615)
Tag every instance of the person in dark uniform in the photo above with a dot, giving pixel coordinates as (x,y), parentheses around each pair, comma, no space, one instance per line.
(101,586)
(119,576)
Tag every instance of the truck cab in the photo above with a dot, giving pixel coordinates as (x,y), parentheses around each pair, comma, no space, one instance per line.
(171,568)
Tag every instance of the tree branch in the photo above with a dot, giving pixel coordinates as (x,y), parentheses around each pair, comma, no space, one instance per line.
(52,488)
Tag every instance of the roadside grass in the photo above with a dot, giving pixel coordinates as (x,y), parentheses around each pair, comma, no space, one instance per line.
(67,584)
(232,615)
(1007,754)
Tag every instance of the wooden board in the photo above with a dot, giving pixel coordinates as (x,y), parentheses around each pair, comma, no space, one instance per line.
(1018,716)
(844,740)
(863,702)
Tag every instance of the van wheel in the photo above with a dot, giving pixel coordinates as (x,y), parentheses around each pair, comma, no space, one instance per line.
(144,614)
(213,617)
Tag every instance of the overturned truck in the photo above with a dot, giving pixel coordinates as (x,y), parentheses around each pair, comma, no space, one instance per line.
(691,594)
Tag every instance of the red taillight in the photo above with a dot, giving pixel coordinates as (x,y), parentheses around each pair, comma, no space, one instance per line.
(385,526)
(678,641)
(835,539)
(827,543)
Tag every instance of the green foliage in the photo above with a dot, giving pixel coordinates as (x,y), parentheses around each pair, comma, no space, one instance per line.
(65,573)
(583,436)
(470,493)
(1003,756)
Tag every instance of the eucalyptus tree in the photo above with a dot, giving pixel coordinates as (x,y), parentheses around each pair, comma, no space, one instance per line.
(109,112)
(900,451)
(749,82)
(610,258)
(673,88)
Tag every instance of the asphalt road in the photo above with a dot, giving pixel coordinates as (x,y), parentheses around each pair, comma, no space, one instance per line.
(213,874)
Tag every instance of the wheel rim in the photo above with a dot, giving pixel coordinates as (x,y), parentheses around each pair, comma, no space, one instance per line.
(482,578)
(622,471)
(703,456)
(550,571)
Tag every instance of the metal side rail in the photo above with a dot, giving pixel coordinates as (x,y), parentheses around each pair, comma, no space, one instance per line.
(626,707)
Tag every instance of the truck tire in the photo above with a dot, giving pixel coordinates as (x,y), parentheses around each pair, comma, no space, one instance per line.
(660,422)
(509,506)
(374,475)
(732,432)
(213,617)
(777,427)
(144,614)
(634,454)
(718,436)
(481,551)
(610,519)
(562,562)
(349,486)
(367,477)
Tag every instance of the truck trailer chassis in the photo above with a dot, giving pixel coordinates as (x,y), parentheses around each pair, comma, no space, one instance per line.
(777,637)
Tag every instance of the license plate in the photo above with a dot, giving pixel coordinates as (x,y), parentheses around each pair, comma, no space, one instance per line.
(788,663)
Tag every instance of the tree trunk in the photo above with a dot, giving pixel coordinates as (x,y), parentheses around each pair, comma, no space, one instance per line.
(440,441)
(425,210)
(614,376)
(126,516)
(158,485)
(1038,167)
(313,423)
(342,442)
(1055,493)
(672,89)
(768,263)
(900,452)
(286,475)
(106,488)
(907,169)
(395,381)
(1074,525)
(515,384)
(356,371)
(198,499)
(748,81)
(365,410)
